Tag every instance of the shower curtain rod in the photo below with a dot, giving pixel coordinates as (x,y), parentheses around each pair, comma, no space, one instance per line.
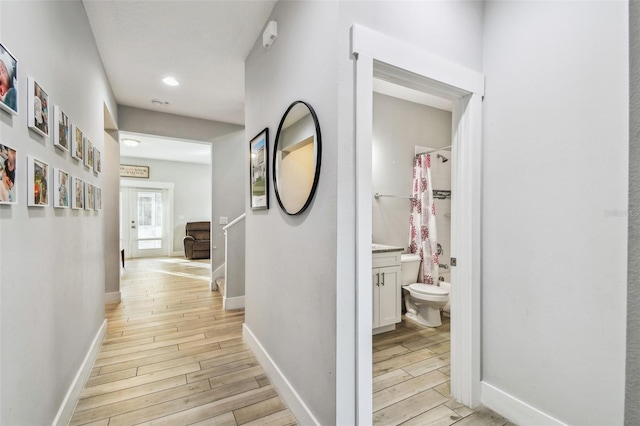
(433,150)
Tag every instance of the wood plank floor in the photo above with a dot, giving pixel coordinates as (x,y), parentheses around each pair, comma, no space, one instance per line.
(173,356)
(411,383)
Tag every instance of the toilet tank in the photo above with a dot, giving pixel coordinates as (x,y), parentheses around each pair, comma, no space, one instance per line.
(410,268)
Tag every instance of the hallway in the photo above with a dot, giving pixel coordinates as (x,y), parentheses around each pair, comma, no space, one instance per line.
(173,356)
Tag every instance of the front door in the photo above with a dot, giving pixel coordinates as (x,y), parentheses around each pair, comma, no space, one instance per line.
(144,221)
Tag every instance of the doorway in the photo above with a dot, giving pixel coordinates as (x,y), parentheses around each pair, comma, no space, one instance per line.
(145,222)
(401,63)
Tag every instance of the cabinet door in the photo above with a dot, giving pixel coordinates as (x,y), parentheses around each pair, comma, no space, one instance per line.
(376,297)
(389,296)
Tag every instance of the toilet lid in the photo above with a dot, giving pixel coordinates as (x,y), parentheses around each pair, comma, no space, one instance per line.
(428,289)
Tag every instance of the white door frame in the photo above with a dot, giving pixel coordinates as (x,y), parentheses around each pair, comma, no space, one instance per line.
(397,61)
(169,186)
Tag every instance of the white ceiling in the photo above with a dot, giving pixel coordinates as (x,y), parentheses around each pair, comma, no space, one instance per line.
(166,149)
(203,44)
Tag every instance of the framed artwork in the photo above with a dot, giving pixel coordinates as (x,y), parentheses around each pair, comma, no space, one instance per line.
(97,164)
(37,182)
(88,153)
(88,196)
(62,188)
(8,81)
(259,170)
(77,199)
(127,170)
(61,129)
(8,176)
(38,115)
(98,196)
(77,145)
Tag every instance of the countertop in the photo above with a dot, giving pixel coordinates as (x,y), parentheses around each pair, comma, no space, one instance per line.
(382,248)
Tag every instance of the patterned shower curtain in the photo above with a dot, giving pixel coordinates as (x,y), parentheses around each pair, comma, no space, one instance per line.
(423,239)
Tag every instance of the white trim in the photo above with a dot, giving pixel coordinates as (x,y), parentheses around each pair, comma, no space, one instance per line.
(147,184)
(218,273)
(114,297)
(233,222)
(286,391)
(177,253)
(394,60)
(229,303)
(71,398)
(514,409)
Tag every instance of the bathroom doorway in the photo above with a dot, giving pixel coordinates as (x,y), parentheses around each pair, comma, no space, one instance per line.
(390,60)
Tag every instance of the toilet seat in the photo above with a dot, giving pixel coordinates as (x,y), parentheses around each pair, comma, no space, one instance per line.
(428,289)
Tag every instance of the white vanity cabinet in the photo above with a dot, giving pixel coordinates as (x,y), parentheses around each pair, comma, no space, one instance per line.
(387,288)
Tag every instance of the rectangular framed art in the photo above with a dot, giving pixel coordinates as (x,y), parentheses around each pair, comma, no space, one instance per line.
(38,111)
(88,196)
(97,164)
(8,86)
(259,170)
(98,196)
(37,182)
(61,129)
(88,153)
(77,145)
(62,188)
(77,200)
(8,176)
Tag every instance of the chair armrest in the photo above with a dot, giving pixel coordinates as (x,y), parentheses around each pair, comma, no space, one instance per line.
(188,238)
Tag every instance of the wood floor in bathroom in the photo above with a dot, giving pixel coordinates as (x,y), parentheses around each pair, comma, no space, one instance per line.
(411,380)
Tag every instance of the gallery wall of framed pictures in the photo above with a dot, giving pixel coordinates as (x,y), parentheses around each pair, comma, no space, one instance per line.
(46,185)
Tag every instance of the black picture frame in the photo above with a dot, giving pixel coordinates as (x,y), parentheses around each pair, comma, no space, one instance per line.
(259,170)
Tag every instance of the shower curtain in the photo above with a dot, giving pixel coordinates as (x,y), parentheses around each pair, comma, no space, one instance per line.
(423,239)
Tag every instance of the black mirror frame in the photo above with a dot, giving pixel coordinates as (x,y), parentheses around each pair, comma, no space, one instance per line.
(316,176)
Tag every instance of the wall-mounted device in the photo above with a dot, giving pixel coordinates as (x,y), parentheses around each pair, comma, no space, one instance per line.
(270,34)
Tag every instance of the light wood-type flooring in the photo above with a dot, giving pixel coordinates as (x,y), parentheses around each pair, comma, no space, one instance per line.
(173,356)
(411,383)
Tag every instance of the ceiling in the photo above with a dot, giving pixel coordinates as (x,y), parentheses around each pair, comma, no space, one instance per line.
(161,148)
(203,44)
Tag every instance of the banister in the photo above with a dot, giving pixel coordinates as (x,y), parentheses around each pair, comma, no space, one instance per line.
(234,221)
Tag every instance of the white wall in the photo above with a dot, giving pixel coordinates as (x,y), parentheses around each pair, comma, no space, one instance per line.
(291,260)
(191,195)
(229,155)
(632,408)
(111,198)
(398,126)
(555,168)
(52,274)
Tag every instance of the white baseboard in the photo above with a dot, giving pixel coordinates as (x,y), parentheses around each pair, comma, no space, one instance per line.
(114,297)
(233,302)
(179,253)
(291,398)
(71,398)
(512,408)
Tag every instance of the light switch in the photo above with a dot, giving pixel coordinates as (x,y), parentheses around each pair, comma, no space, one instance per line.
(224,220)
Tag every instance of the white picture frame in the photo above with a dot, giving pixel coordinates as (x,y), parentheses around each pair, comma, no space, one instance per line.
(37,182)
(61,130)
(98,196)
(61,189)
(88,196)
(97,161)
(77,197)
(88,153)
(38,108)
(9,101)
(77,147)
(8,175)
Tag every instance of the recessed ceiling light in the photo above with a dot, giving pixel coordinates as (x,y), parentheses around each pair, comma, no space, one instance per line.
(170,81)
(131,142)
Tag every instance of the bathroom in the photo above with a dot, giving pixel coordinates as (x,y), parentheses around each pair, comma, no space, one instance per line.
(407,122)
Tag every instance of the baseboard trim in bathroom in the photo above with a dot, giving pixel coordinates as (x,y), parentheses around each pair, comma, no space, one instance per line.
(229,303)
(514,409)
(286,391)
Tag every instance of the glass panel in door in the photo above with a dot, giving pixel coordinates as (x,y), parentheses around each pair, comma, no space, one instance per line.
(147,224)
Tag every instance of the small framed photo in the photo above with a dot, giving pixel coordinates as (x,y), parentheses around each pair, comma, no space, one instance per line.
(77,200)
(37,182)
(98,195)
(8,86)
(62,189)
(77,146)
(8,176)
(97,165)
(88,196)
(259,170)
(88,153)
(61,129)
(38,108)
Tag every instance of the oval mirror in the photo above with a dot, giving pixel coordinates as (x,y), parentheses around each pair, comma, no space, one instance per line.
(296,159)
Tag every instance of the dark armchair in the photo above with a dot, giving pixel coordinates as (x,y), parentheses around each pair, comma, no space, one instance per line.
(197,243)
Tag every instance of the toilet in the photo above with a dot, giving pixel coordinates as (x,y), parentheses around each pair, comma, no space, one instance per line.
(423,301)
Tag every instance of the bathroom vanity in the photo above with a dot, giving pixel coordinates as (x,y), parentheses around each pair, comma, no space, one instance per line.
(387,289)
